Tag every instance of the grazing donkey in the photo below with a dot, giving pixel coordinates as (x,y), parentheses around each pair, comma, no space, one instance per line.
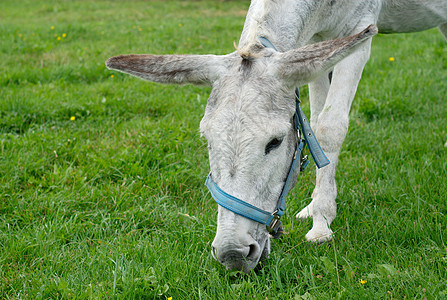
(250,118)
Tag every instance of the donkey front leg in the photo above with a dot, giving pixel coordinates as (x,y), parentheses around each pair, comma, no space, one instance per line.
(443,29)
(331,127)
(318,91)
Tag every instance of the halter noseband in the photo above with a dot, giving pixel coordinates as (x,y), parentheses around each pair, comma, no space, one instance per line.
(272,219)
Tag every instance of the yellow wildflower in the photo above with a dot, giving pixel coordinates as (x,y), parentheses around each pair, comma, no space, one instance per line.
(391,59)
(111,76)
(58,38)
(362,281)
(52,27)
(64,35)
(170,298)
(72,118)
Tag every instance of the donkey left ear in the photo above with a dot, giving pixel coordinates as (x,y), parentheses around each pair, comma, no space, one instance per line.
(194,69)
(304,64)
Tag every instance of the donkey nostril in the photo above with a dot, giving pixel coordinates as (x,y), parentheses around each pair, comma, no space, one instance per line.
(253,249)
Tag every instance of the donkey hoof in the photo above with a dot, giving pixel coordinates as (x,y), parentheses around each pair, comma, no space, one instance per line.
(319,235)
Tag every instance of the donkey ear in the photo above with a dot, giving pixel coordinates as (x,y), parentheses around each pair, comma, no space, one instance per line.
(194,69)
(302,65)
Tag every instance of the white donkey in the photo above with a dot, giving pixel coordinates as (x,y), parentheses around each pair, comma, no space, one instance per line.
(248,120)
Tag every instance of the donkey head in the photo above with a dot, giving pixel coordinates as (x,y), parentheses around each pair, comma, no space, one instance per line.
(248,125)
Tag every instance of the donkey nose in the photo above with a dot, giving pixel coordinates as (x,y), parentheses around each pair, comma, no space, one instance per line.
(237,257)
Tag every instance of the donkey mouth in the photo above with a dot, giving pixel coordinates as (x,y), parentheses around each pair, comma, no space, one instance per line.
(235,260)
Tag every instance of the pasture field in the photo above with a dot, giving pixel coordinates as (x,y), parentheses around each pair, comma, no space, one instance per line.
(102,175)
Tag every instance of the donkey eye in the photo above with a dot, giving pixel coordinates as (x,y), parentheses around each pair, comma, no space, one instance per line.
(272,145)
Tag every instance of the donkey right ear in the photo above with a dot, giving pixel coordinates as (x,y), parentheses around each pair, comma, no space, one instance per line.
(178,69)
(302,65)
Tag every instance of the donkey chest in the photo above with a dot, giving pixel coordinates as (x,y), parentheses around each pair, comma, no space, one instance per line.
(411,15)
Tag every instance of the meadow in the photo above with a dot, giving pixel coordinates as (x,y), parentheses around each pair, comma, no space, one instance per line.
(102,175)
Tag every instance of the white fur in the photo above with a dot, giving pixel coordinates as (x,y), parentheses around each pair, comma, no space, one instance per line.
(252,101)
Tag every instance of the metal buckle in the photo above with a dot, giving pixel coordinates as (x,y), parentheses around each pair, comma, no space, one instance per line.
(304,163)
(275,223)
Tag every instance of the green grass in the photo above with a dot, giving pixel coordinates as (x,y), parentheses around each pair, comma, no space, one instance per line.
(112,204)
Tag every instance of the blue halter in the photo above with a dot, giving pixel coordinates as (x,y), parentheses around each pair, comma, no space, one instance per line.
(272,219)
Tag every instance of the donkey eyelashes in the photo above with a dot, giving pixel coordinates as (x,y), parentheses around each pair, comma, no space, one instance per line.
(273,144)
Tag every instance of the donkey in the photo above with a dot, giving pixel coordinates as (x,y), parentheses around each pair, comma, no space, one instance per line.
(249,118)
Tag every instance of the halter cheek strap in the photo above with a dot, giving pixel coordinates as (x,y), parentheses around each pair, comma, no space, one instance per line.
(272,219)
(242,208)
(315,150)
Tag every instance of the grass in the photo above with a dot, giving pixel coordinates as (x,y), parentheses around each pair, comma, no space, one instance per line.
(111,203)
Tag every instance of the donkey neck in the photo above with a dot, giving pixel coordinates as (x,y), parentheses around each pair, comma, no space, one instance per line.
(287,23)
